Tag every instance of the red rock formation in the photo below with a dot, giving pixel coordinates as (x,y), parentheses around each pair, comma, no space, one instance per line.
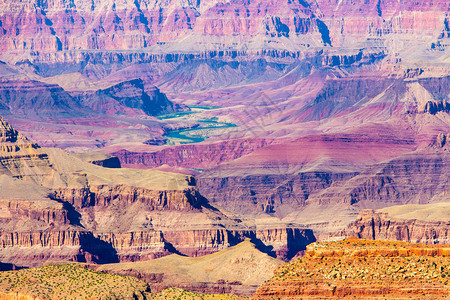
(199,156)
(124,195)
(362,269)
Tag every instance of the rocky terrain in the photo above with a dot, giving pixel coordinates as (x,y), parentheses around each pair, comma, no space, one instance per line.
(73,210)
(76,281)
(412,223)
(176,293)
(363,269)
(277,121)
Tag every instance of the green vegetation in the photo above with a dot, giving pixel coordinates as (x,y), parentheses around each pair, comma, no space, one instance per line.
(366,268)
(72,281)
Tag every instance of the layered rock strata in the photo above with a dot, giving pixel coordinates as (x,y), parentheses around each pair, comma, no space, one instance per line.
(55,206)
(362,268)
(381,226)
(112,25)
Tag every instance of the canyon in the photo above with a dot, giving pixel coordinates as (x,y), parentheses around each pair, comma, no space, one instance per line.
(77,211)
(142,131)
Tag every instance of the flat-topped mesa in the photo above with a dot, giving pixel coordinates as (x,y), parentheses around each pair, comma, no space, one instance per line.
(11,140)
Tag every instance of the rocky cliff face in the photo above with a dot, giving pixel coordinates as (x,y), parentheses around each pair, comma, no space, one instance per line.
(381,226)
(130,97)
(140,24)
(362,269)
(268,193)
(382,18)
(108,25)
(192,156)
(124,195)
(55,206)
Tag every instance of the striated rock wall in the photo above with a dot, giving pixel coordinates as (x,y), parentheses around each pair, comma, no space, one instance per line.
(32,248)
(201,156)
(124,195)
(266,193)
(21,209)
(381,18)
(54,26)
(379,226)
(50,239)
(282,243)
(107,25)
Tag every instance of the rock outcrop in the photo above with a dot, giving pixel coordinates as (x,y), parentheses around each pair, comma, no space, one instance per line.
(100,159)
(238,270)
(381,226)
(130,98)
(362,268)
(198,156)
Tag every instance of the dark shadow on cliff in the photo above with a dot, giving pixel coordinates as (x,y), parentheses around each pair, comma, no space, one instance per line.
(169,247)
(72,214)
(10,267)
(263,247)
(101,251)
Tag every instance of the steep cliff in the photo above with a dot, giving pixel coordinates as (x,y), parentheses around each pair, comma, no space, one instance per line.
(411,223)
(56,206)
(200,156)
(238,269)
(108,25)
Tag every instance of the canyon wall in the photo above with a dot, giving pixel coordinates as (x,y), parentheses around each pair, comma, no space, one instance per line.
(109,25)
(381,226)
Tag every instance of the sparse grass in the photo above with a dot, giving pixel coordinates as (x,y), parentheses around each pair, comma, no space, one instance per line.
(71,281)
(368,268)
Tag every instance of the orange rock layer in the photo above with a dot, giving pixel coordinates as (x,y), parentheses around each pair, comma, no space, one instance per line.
(363,268)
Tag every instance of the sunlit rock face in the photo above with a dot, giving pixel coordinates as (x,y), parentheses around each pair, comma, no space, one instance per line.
(113,25)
